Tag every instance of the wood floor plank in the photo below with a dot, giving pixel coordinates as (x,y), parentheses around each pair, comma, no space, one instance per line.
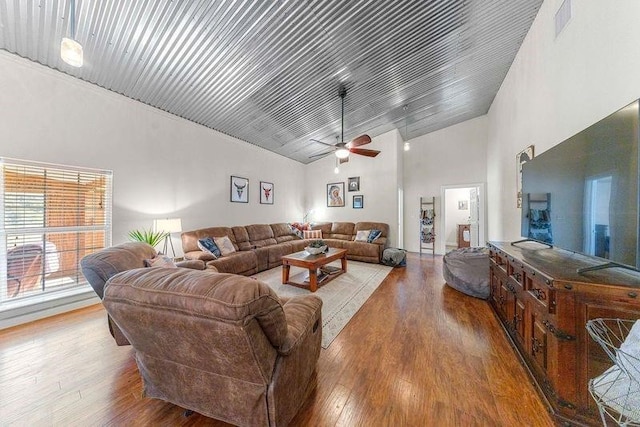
(417,353)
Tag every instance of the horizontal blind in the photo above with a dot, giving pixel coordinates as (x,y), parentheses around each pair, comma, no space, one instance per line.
(52,216)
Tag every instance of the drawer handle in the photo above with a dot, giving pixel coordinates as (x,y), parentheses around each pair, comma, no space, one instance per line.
(536,345)
(539,293)
(517,276)
(632,294)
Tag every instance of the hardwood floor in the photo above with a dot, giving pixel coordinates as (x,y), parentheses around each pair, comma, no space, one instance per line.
(418,353)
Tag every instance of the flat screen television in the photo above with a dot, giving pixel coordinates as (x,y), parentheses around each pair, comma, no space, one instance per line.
(582,194)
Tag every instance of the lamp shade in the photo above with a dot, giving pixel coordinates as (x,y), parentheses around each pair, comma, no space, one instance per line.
(168,225)
(71,52)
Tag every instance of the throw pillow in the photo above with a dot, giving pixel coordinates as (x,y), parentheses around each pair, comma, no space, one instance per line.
(224,244)
(312,234)
(296,231)
(362,235)
(373,235)
(160,261)
(208,245)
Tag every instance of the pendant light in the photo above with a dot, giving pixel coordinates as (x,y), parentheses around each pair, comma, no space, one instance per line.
(407,145)
(70,49)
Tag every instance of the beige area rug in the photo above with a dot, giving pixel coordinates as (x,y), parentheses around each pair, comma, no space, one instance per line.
(341,298)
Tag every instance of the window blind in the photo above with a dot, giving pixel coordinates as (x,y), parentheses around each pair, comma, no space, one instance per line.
(50,217)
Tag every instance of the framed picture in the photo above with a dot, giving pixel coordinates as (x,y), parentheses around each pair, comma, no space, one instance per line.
(523,157)
(266,193)
(335,194)
(239,189)
(463,205)
(358,202)
(354,183)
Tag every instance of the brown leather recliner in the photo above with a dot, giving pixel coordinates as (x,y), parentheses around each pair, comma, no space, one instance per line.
(100,266)
(219,344)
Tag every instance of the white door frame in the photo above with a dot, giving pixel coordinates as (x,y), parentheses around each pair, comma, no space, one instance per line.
(482,216)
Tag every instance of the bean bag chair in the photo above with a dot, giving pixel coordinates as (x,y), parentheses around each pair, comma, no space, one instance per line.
(467,270)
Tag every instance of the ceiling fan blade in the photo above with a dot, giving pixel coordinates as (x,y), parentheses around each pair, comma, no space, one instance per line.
(321,154)
(361,140)
(345,160)
(320,142)
(364,152)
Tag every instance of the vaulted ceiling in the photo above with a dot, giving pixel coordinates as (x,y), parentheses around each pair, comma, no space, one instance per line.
(268,71)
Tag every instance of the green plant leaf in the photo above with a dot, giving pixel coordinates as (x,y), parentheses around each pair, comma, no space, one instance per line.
(148,236)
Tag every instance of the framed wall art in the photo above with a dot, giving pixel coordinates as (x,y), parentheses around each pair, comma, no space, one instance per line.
(354,183)
(266,193)
(523,157)
(239,189)
(358,202)
(335,194)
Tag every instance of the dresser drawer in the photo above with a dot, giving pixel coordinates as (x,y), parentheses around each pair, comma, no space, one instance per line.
(542,290)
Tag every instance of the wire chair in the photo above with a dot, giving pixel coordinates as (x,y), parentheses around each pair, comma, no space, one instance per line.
(617,390)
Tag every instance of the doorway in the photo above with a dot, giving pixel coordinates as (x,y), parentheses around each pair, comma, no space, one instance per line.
(463,214)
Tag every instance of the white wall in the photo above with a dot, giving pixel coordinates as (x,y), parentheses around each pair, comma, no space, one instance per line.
(378,184)
(451,156)
(556,88)
(163,166)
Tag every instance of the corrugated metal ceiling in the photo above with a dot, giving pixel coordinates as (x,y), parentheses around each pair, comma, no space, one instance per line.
(268,71)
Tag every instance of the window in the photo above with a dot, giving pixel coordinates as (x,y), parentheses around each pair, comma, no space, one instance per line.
(50,217)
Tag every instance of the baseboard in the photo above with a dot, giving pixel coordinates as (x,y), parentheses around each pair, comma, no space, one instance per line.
(29,313)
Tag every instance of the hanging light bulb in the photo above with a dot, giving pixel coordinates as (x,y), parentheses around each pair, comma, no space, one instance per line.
(70,49)
(336,170)
(407,145)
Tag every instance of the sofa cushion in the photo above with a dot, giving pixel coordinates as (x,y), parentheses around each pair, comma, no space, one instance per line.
(190,238)
(224,244)
(276,252)
(207,244)
(368,225)
(260,235)
(342,231)
(325,227)
(241,262)
(284,232)
(242,238)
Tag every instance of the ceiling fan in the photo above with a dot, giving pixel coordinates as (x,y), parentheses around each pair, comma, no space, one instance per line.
(342,149)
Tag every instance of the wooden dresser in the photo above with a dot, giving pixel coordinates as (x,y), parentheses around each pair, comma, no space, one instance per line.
(544,304)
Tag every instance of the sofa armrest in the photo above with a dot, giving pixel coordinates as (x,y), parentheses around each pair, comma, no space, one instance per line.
(303,315)
(194,264)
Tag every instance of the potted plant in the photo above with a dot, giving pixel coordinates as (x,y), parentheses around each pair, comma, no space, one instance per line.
(147,236)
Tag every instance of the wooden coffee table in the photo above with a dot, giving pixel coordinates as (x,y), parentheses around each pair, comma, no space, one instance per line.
(312,263)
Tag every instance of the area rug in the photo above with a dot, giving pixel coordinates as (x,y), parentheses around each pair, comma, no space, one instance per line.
(341,298)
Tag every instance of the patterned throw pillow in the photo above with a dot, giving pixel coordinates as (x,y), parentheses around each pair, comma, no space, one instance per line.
(362,235)
(312,234)
(208,245)
(296,231)
(160,261)
(224,244)
(373,235)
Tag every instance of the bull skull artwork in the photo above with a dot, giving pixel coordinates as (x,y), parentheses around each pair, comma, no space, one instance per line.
(239,189)
(267,193)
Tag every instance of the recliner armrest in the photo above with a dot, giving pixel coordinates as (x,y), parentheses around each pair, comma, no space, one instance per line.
(303,315)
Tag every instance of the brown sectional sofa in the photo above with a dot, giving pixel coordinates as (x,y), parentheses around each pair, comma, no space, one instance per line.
(261,246)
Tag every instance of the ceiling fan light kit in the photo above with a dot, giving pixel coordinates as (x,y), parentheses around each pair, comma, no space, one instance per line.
(342,153)
(71,49)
